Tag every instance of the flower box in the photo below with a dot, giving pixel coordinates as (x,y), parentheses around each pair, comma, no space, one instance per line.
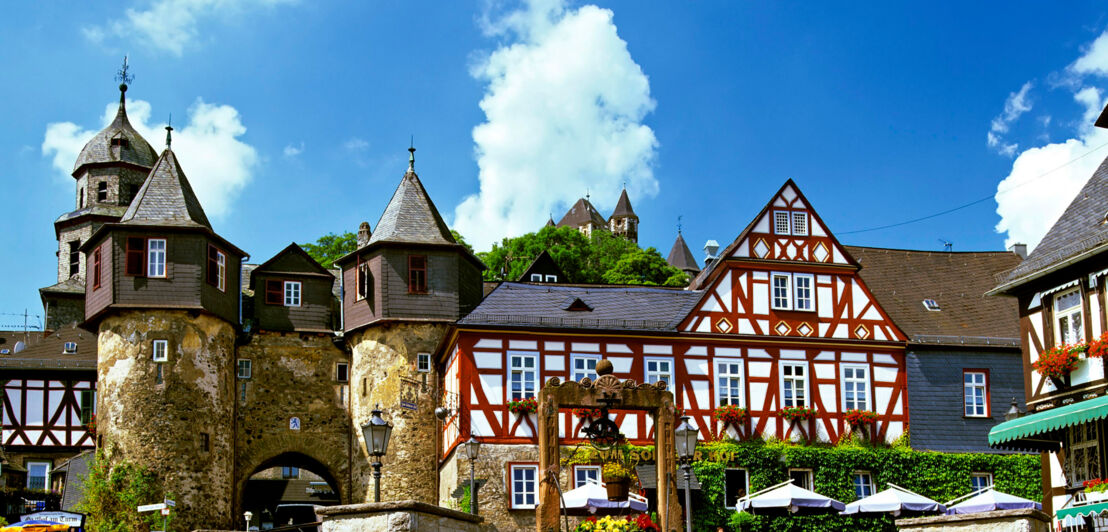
(798,413)
(1058,361)
(587,413)
(860,418)
(731,415)
(523,406)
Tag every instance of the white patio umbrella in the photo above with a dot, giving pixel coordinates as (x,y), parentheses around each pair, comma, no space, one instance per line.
(894,500)
(788,497)
(988,500)
(591,497)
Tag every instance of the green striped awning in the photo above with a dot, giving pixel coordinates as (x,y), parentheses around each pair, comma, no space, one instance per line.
(1081,511)
(1020,433)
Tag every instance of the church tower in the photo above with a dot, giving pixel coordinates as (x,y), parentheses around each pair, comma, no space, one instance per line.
(624,222)
(404,289)
(109,171)
(162,290)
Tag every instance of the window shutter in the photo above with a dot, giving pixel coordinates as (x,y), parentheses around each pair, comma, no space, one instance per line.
(274,292)
(96,269)
(213,266)
(136,256)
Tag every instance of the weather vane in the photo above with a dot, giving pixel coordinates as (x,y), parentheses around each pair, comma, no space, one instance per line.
(123,76)
(169,132)
(678,224)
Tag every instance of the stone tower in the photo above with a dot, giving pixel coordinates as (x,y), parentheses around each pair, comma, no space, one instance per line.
(109,171)
(624,222)
(162,291)
(404,288)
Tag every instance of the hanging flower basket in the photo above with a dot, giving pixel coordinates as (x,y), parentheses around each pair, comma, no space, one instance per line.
(1058,361)
(860,418)
(587,413)
(617,480)
(523,406)
(731,415)
(798,413)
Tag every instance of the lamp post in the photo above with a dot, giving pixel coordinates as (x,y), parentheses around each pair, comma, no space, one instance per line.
(473,447)
(686,447)
(376,432)
(248,515)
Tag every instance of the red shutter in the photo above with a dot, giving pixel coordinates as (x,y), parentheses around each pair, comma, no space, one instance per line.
(213,266)
(136,256)
(274,292)
(96,269)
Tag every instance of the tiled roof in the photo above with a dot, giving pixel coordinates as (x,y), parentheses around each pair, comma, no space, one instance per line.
(582,213)
(166,198)
(901,279)
(680,257)
(623,206)
(1082,227)
(99,149)
(613,307)
(411,216)
(48,351)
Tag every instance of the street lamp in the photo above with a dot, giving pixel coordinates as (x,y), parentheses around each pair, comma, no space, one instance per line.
(686,447)
(473,447)
(376,432)
(248,515)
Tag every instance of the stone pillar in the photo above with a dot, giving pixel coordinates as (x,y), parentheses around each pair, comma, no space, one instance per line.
(547,511)
(669,508)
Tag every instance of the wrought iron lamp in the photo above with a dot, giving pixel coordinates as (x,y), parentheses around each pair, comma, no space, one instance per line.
(473,448)
(376,432)
(1013,412)
(686,448)
(248,515)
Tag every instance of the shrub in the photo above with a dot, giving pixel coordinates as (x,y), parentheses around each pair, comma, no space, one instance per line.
(111,496)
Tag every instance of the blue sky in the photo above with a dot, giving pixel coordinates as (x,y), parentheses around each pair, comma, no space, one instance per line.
(293,117)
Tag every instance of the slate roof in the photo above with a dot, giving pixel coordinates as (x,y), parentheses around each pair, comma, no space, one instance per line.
(613,307)
(901,279)
(71,286)
(680,257)
(166,198)
(1081,230)
(411,216)
(76,470)
(47,351)
(96,209)
(623,207)
(98,149)
(582,213)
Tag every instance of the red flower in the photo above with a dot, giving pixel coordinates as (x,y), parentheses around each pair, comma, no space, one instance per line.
(858,418)
(1058,361)
(1098,348)
(587,413)
(797,413)
(523,406)
(730,415)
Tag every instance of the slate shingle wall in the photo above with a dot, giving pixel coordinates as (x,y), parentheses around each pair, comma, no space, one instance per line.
(935,396)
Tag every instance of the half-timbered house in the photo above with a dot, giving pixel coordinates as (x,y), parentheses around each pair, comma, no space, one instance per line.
(781,320)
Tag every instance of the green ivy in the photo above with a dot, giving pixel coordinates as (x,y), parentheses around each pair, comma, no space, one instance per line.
(112,494)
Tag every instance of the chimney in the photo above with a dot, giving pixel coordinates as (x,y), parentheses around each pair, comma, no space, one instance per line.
(711,247)
(1019,249)
(363,234)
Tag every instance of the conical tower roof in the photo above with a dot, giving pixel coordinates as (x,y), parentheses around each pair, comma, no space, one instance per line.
(166,198)
(580,214)
(623,207)
(117,143)
(411,216)
(680,257)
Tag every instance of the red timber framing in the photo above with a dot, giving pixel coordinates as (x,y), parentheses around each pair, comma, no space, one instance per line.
(45,413)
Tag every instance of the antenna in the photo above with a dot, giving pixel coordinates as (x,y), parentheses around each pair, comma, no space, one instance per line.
(169,132)
(947,245)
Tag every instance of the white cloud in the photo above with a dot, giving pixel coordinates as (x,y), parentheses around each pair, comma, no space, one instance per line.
(292,151)
(172,25)
(218,164)
(564,105)
(1095,59)
(1016,104)
(356,144)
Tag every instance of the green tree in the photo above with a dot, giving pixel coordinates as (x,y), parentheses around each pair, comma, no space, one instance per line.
(111,495)
(461,240)
(644,266)
(329,247)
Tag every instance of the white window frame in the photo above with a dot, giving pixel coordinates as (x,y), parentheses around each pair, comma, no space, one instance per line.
(648,374)
(293,292)
(160,350)
(719,375)
(31,464)
(811,300)
(551,278)
(866,382)
(981,474)
(1074,314)
(799,229)
(155,258)
(806,400)
(746,488)
(778,216)
(536,277)
(515,496)
(808,476)
(423,362)
(970,391)
(788,297)
(240,365)
(69,348)
(863,480)
(574,357)
(221,266)
(522,370)
(577,469)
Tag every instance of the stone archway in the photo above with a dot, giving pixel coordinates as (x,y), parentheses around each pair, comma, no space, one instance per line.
(626,395)
(333,465)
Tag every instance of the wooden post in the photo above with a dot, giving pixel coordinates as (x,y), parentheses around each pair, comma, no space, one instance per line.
(546,514)
(665,460)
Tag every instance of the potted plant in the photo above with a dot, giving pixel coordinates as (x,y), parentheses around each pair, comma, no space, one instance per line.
(1096,490)
(731,415)
(798,413)
(610,523)
(617,480)
(523,406)
(1057,363)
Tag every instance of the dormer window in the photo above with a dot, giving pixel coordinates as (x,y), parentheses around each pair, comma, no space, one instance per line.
(577,305)
(120,142)
(932,305)
(70,348)
(536,277)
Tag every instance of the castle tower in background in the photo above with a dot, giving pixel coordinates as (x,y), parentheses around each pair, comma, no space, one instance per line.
(624,222)
(404,289)
(162,290)
(108,172)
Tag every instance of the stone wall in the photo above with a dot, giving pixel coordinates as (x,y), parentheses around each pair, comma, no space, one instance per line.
(79,234)
(999,521)
(64,311)
(181,429)
(398,516)
(292,376)
(383,371)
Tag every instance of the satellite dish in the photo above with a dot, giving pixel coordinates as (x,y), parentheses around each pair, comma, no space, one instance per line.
(19,346)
